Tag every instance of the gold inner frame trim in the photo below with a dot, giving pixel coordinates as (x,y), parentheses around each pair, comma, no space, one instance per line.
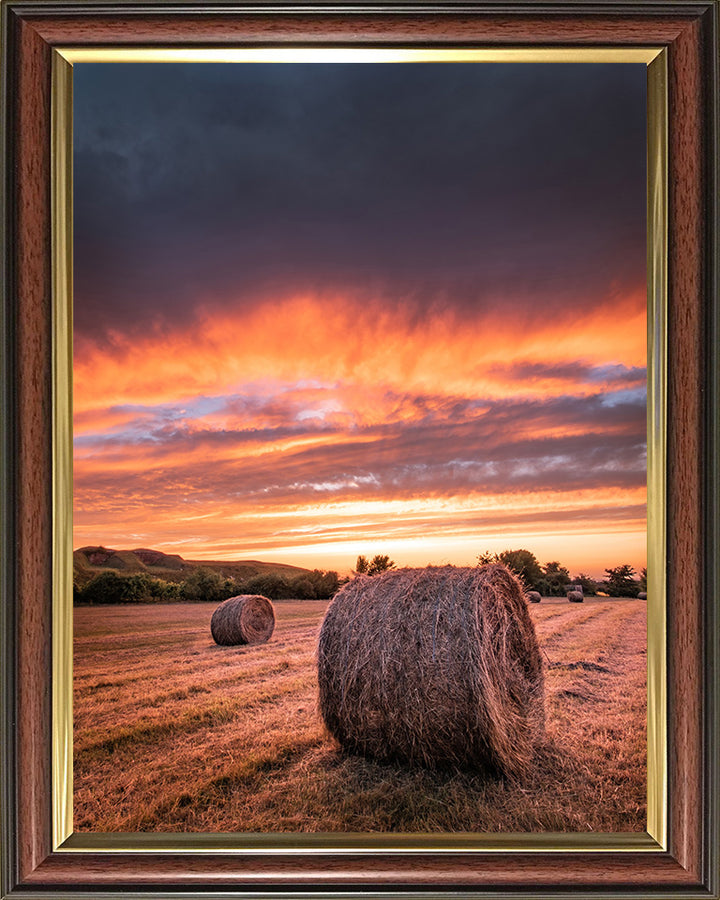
(62,449)
(657,264)
(655,838)
(357,55)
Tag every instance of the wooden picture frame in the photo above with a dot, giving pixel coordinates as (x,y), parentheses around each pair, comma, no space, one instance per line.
(683,865)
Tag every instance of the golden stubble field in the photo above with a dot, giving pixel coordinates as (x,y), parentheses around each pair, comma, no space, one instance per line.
(173,733)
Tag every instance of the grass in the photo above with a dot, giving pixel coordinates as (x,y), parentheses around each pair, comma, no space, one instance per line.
(173,733)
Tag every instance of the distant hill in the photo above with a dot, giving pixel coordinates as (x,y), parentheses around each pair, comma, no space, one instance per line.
(90,561)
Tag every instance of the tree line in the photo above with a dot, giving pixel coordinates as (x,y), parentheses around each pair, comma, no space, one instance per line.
(203,585)
(553,579)
(550,580)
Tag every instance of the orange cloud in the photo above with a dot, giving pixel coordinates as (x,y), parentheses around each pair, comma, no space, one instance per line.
(319,425)
(332,340)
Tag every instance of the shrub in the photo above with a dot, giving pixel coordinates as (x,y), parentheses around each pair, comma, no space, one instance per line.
(108,587)
(168,590)
(268,584)
(326,584)
(103,588)
(302,588)
(206,585)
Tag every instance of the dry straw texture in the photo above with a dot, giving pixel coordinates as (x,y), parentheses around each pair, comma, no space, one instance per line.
(247,619)
(533,596)
(435,666)
(575,596)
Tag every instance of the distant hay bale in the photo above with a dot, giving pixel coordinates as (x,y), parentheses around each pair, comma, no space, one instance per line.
(575,596)
(247,619)
(642,595)
(533,596)
(437,666)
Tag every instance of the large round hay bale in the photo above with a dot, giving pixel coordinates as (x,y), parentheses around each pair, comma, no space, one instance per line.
(533,596)
(438,666)
(247,619)
(642,595)
(575,596)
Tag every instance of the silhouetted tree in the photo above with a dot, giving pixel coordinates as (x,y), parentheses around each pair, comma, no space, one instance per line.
(374,566)
(557,578)
(524,564)
(380,564)
(589,585)
(487,558)
(620,582)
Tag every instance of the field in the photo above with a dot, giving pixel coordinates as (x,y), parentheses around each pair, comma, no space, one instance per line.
(173,733)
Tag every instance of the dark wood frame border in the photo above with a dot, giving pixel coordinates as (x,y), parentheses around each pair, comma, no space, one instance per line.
(690,867)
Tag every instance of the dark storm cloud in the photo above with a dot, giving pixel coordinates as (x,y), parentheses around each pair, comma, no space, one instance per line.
(440,183)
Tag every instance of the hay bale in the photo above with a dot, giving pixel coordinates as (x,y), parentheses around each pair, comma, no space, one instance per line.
(438,666)
(246,619)
(575,596)
(642,595)
(533,596)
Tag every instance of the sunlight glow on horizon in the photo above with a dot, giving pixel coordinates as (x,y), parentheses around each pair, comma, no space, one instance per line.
(590,553)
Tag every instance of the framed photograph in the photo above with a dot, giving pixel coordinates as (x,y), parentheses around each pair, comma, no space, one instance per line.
(393,328)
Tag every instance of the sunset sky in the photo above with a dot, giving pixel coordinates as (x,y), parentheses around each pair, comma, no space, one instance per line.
(331,309)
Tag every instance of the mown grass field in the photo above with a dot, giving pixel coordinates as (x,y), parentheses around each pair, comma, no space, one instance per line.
(173,733)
